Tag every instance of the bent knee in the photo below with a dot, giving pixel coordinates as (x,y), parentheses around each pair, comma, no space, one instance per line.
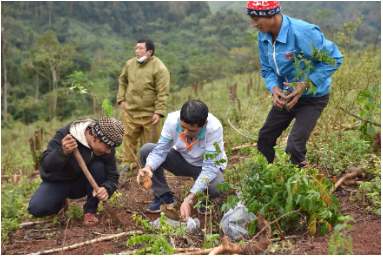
(37,211)
(146,149)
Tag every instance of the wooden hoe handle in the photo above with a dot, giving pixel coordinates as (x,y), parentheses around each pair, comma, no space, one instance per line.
(91,180)
(151,133)
(85,169)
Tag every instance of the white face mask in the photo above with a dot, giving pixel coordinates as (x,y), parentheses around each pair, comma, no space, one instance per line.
(143,58)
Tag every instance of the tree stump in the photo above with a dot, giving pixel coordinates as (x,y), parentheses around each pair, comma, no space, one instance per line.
(37,146)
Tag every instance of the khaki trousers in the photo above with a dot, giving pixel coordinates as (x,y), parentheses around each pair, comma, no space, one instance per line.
(137,128)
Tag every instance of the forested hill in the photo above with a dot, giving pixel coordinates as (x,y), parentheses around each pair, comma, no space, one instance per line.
(48,45)
(329,15)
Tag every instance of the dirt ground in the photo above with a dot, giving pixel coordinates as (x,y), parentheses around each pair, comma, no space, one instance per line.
(37,238)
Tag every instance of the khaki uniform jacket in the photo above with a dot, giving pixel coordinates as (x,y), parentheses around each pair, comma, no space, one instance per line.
(144,87)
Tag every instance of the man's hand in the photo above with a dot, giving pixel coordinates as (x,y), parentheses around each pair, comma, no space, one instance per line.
(277,92)
(68,144)
(301,87)
(101,194)
(122,105)
(156,118)
(147,169)
(186,208)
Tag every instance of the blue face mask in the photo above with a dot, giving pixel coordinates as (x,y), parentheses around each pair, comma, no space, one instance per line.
(143,58)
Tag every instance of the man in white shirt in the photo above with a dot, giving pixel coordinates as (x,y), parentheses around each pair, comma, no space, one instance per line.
(193,130)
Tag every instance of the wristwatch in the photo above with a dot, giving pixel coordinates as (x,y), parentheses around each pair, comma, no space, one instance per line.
(189,200)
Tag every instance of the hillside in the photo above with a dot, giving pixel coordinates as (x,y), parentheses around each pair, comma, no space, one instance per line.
(191,38)
(335,14)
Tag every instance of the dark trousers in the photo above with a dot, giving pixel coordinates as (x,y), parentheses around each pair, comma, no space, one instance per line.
(48,198)
(306,113)
(176,164)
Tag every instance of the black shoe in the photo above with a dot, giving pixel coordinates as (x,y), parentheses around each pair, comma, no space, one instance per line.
(155,206)
(202,208)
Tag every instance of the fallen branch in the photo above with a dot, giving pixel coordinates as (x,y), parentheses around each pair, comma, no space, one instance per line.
(176,250)
(231,125)
(30,223)
(242,146)
(199,252)
(354,174)
(367,121)
(87,243)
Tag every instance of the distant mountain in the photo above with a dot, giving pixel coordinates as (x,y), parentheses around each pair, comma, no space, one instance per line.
(338,13)
(223,6)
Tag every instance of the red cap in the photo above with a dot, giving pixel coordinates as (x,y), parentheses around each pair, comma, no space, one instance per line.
(263,8)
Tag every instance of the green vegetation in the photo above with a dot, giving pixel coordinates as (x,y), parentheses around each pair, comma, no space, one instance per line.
(279,188)
(157,243)
(218,51)
(14,205)
(75,212)
(339,241)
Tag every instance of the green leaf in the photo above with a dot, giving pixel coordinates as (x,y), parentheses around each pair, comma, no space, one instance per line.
(322,229)
(371,130)
(252,226)
(371,100)
(305,181)
(107,108)
(361,100)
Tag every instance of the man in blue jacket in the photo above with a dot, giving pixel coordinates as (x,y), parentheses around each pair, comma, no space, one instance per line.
(279,39)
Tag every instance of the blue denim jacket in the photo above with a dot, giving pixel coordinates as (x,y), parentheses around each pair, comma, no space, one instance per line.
(277,58)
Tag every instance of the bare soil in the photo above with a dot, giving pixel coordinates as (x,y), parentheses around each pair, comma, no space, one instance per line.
(37,238)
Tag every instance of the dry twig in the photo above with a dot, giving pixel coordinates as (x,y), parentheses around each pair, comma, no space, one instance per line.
(87,243)
(66,228)
(231,125)
(367,121)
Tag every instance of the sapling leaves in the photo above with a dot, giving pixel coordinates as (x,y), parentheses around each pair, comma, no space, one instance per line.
(81,88)
(155,243)
(279,188)
(251,226)
(304,67)
(107,108)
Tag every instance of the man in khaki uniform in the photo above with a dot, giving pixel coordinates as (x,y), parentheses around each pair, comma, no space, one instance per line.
(142,94)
